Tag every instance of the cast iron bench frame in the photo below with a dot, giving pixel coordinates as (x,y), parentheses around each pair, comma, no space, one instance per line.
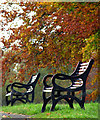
(23,97)
(80,74)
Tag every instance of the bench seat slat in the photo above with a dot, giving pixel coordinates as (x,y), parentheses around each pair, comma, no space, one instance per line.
(47,90)
(8,94)
(77,85)
(78,82)
(72,87)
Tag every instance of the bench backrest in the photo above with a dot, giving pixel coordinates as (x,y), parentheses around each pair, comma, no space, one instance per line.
(34,78)
(83,68)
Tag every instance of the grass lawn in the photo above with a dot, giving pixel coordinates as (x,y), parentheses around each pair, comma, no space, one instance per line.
(61,110)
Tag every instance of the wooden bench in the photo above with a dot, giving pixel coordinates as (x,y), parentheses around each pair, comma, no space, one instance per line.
(78,83)
(14,95)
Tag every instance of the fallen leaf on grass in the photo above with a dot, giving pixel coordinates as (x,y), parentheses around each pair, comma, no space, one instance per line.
(9,112)
(59,114)
(4,116)
(2,111)
(48,113)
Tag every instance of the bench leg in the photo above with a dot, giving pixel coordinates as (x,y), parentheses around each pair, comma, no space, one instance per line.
(32,97)
(69,102)
(26,98)
(54,102)
(7,101)
(11,100)
(80,102)
(53,105)
(83,98)
(45,101)
(73,94)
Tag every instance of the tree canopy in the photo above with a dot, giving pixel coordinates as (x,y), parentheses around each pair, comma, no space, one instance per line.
(53,35)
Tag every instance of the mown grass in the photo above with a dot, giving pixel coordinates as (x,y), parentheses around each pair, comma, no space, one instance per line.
(61,110)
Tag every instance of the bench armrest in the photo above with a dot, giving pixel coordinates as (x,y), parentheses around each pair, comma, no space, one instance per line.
(20,85)
(61,77)
(64,77)
(7,88)
(44,80)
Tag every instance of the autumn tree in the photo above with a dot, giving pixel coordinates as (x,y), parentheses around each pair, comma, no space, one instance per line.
(53,35)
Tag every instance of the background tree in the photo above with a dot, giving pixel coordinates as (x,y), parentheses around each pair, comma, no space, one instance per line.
(52,36)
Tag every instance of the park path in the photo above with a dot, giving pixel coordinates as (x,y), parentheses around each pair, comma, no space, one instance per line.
(11,115)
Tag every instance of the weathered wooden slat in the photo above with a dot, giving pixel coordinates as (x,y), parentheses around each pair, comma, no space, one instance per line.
(78,82)
(81,70)
(83,64)
(47,90)
(78,73)
(77,85)
(72,87)
(83,67)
